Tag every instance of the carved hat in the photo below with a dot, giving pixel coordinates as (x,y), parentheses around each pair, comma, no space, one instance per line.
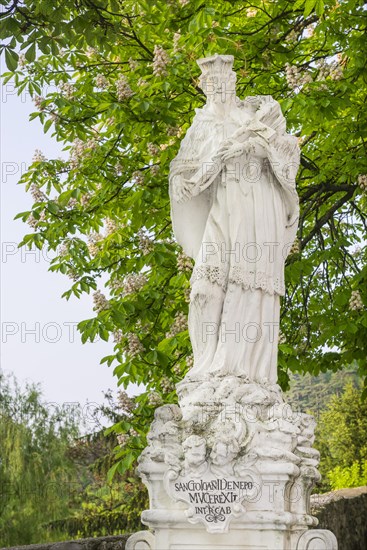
(217,65)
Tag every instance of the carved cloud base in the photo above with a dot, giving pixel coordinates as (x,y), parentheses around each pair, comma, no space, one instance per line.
(232,467)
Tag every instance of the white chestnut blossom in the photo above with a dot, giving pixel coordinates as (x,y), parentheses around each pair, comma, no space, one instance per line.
(160,61)
(324,70)
(80,150)
(153,149)
(93,239)
(190,361)
(134,346)
(281,338)
(173,130)
(184,263)
(332,70)
(295,248)
(101,81)
(123,90)
(67,89)
(134,282)
(117,285)
(145,243)
(166,385)
(37,194)
(38,156)
(124,402)
(122,439)
(91,52)
(100,301)
(176,39)
(85,199)
(177,369)
(22,62)
(118,336)
(133,64)
(295,77)
(154,399)
(72,203)
(154,169)
(362,182)
(187,294)
(32,221)
(63,249)
(251,12)
(336,72)
(355,302)
(38,101)
(179,325)
(138,177)
(111,226)
(72,274)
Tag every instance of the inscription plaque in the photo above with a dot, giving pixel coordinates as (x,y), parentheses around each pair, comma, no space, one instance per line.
(211,500)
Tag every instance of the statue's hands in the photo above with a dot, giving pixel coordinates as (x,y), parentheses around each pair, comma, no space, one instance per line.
(183,189)
(229,149)
(257,148)
(232,149)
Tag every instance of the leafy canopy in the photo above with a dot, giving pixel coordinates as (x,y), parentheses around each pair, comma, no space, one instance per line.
(117,83)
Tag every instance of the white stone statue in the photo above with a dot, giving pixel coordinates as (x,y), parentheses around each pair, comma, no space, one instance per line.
(235,212)
(232,466)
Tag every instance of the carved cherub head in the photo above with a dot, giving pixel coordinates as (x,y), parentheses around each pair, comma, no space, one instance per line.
(195,451)
(224,451)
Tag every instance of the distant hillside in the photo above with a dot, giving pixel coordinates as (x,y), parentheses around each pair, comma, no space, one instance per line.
(311,393)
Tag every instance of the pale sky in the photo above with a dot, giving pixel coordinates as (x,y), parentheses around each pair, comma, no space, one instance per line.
(39,340)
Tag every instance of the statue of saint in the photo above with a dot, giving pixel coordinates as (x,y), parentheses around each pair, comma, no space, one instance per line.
(235,211)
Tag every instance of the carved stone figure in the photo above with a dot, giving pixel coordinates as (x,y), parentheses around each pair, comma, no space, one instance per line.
(223,454)
(235,211)
(232,466)
(195,455)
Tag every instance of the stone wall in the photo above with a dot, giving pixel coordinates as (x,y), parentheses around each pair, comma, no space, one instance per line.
(343,512)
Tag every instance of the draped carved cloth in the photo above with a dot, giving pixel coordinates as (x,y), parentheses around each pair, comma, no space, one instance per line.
(242,202)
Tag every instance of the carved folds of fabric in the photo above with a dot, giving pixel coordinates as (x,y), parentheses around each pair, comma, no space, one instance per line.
(248,280)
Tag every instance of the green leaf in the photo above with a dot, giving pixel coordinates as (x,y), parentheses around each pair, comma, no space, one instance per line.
(11,59)
(47,125)
(53,207)
(31,52)
(320,7)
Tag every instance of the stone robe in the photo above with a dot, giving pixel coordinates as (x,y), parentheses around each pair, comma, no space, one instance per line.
(238,220)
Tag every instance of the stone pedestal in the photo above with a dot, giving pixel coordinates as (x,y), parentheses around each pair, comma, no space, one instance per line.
(231,467)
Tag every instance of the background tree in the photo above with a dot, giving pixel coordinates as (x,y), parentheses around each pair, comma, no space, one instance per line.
(53,479)
(342,440)
(126,88)
(107,504)
(37,481)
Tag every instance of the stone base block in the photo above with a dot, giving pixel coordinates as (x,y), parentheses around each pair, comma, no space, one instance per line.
(189,538)
(232,467)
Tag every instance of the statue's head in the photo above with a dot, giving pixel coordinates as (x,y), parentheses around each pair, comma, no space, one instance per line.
(195,450)
(224,451)
(217,76)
